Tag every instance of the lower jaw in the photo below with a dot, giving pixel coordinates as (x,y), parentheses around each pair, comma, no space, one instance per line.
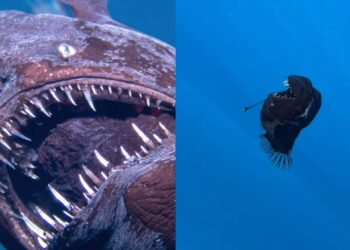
(100,217)
(22,208)
(112,219)
(109,216)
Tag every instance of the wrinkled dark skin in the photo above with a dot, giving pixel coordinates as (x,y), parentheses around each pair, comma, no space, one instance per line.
(283,119)
(123,214)
(116,219)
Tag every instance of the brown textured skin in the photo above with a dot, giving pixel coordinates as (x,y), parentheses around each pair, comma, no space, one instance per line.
(151,201)
(30,56)
(106,51)
(110,221)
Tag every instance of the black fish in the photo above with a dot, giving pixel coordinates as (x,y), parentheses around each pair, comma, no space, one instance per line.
(284,114)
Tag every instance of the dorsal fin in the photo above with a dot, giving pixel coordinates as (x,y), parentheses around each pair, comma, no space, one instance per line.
(91,10)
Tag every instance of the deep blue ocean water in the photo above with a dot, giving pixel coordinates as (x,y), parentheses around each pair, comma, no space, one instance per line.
(232,53)
(156,17)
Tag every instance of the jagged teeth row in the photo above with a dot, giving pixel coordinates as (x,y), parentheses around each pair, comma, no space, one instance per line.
(286,84)
(58,224)
(86,90)
(10,128)
(90,190)
(285,97)
(128,157)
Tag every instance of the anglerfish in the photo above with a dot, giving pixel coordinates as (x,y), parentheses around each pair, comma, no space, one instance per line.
(284,114)
(87,132)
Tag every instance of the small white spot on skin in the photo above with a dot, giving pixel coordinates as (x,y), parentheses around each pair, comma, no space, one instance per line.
(66,50)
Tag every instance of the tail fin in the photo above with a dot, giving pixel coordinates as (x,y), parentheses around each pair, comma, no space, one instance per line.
(279,159)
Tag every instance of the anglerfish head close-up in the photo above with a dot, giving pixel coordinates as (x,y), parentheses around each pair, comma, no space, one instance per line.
(87,141)
(285,114)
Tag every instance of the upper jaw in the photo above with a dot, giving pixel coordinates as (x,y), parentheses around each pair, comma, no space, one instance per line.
(114,53)
(14,105)
(287,95)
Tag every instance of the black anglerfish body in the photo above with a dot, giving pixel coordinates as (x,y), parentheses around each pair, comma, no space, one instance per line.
(285,114)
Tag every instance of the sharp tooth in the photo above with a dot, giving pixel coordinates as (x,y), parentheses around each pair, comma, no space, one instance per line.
(6,162)
(158,102)
(18,145)
(120,91)
(69,95)
(5,144)
(148,101)
(130,93)
(92,176)
(110,90)
(60,221)
(93,89)
(68,214)
(86,186)
(39,104)
(53,94)
(79,87)
(101,159)
(158,139)
(20,135)
(138,155)
(28,111)
(144,149)
(3,185)
(32,175)
(23,112)
(42,242)
(125,153)
(102,87)
(15,132)
(104,175)
(142,135)
(46,217)
(31,166)
(61,199)
(140,95)
(89,99)
(35,229)
(46,96)
(165,129)
(6,131)
(86,197)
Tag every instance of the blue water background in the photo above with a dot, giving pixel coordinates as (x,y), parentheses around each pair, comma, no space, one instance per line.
(232,53)
(156,17)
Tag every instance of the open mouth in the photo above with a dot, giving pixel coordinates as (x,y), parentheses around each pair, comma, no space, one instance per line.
(65,140)
(287,95)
